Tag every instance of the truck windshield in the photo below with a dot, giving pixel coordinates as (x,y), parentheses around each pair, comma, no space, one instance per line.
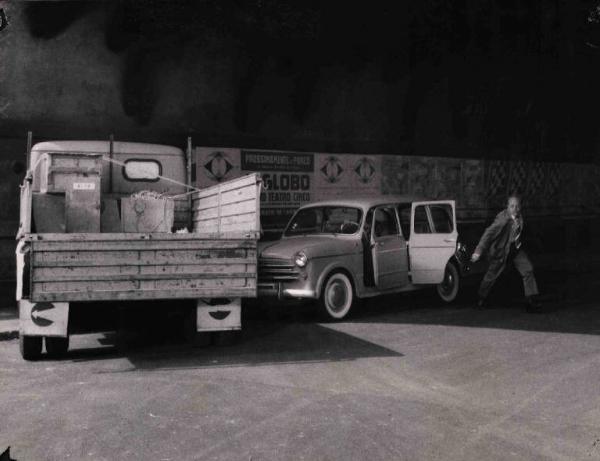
(325,220)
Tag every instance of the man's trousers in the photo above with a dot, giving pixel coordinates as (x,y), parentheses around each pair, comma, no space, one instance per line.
(497,265)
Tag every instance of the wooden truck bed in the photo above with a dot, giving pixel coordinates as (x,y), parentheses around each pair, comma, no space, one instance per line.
(89,267)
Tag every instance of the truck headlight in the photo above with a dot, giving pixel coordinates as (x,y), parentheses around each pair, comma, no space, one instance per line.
(300,259)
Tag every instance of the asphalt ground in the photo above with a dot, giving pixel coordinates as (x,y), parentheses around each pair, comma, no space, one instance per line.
(405,378)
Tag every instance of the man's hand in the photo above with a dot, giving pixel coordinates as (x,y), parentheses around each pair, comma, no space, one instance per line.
(475,257)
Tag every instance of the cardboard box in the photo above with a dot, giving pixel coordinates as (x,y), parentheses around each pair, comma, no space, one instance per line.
(219,314)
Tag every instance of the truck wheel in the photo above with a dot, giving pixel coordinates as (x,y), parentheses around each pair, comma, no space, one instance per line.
(448,289)
(337,297)
(226,338)
(30,347)
(57,346)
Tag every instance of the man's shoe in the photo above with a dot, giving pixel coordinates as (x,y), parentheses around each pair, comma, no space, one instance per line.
(533,306)
(481,304)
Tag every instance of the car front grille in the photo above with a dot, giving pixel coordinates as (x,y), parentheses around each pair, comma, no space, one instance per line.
(276,270)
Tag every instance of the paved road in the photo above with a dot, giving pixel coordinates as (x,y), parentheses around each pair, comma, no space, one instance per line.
(407,378)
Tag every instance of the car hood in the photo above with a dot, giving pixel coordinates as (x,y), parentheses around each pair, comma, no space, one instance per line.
(312,245)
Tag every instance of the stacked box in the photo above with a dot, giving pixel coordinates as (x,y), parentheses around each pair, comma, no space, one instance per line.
(82,205)
(78,177)
(60,170)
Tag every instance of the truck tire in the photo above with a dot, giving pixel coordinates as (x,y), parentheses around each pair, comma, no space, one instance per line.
(337,297)
(30,347)
(226,338)
(56,346)
(448,289)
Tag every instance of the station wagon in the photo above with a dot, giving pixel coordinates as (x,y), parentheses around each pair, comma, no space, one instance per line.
(340,251)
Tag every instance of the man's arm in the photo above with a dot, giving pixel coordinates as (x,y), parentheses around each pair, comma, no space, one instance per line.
(489,235)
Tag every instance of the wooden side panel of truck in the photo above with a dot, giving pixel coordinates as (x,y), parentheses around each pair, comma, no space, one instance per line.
(108,267)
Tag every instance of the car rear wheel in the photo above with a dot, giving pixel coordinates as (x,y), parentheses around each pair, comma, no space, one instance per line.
(448,289)
(337,297)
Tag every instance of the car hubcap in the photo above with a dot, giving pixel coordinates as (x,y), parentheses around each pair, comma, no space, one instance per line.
(448,282)
(337,296)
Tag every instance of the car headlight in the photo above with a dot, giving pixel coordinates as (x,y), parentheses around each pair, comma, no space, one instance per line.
(300,259)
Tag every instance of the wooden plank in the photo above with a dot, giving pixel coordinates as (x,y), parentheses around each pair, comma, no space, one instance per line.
(238,225)
(187,245)
(178,284)
(95,271)
(250,180)
(246,206)
(130,237)
(83,272)
(133,277)
(62,287)
(200,269)
(103,295)
(227,198)
(230,223)
(25,209)
(137,263)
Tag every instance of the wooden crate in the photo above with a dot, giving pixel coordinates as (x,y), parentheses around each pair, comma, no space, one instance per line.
(87,267)
(233,206)
(58,170)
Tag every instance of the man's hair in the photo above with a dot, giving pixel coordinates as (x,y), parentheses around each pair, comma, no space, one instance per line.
(515,196)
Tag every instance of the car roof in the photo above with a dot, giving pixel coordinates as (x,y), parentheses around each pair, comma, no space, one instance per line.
(104,147)
(369,201)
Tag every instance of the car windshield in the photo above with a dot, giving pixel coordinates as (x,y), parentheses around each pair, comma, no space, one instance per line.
(325,220)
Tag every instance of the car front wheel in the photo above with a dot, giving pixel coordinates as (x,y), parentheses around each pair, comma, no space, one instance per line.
(337,297)
(448,289)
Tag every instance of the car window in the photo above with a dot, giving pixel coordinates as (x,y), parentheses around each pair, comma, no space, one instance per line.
(385,222)
(327,219)
(421,221)
(442,218)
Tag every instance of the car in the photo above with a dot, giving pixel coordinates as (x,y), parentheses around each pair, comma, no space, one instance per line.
(340,251)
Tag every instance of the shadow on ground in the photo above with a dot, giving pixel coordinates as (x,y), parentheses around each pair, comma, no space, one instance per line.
(261,342)
(276,333)
(569,305)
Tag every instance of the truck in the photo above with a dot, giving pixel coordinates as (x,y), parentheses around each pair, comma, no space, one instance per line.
(105,222)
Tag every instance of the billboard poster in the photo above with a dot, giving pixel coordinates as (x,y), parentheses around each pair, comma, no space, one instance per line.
(293,179)
(287,180)
(343,175)
(210,166)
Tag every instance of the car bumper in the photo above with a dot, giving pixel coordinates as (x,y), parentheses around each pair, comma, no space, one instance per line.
(279,290)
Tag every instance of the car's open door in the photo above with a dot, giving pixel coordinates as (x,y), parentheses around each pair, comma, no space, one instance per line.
(432,239)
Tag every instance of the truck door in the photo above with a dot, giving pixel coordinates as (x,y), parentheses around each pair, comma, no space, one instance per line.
(390,260)
(432,240)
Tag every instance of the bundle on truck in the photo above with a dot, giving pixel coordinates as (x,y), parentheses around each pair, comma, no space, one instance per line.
(104,222)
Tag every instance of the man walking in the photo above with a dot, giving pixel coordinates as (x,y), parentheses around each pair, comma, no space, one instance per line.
(502,242)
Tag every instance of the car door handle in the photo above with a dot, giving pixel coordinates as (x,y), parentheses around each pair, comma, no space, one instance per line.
(449,240)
